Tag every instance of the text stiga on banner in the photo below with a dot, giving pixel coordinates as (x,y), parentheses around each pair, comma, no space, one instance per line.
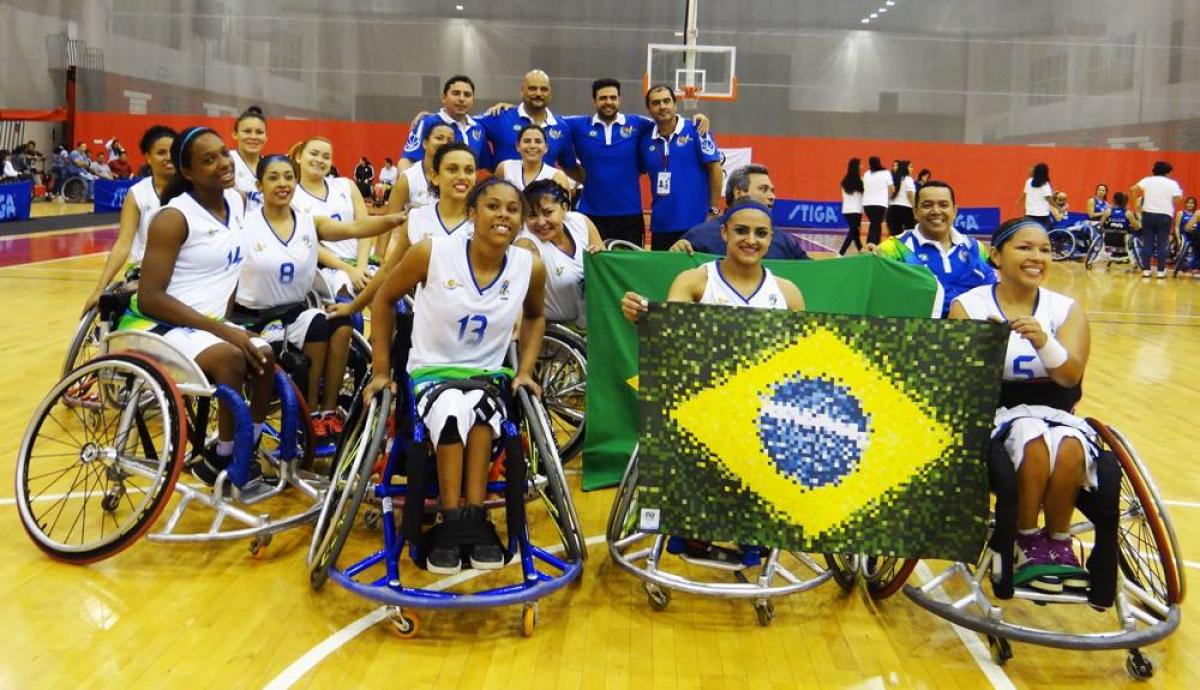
(15,201)
(793,213)
(108,195)
(977,221)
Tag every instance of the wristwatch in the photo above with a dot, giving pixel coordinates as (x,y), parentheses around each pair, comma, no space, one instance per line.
(714,210)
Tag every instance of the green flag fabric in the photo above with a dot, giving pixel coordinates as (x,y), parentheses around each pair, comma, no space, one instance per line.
(820,433)
(863,284)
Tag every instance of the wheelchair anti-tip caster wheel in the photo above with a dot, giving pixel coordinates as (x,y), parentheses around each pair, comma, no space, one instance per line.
(259,544)
(658,597)
(1139,665)
(765,611)
(528,619)
(403,622)
(1001,650)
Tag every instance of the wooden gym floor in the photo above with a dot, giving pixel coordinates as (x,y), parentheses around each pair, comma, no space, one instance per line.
(208,615)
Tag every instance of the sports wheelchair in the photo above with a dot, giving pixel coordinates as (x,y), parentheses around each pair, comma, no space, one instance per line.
(104,450)
(1186,256)
(1115,245)
(1134,560)
(393,448)
(1067,244)
(641,554)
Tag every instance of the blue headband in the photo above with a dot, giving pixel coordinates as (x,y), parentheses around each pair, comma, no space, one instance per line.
(183,146)
(1006,234)
(742,205)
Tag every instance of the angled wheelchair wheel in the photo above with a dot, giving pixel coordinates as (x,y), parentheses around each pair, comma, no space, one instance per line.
(1094,249)
(74,190)
(1150,559)
(85,346)
(92,479)
(358,371)
(621,245)
(885,575)
(1062,244)
(543,459)
(363,442)
(1183,257)
(562,372)
(1134,248)
(844,569)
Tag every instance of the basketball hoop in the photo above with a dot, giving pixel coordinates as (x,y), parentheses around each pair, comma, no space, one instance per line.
(691,97)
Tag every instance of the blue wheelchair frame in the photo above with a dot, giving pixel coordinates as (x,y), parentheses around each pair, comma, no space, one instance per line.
(389,589)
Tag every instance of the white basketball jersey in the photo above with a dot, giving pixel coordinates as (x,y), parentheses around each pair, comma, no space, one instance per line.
(460,323)
(564,272)
(1021,362)
(244,179)
(718,290)
(426,221)
(418,187)
(147,203)
(337,204)
(512,171)
(277,272)
(210,260)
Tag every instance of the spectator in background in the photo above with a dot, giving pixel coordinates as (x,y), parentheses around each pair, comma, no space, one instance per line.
(100,169)
(81,164)
(877,189)
(121,169)
(364,175)
(1160,195)
(387,179)
(852,205)
(922,177)
(747,182)
(7,172)
(1037,197)
(900,206)
(114,148)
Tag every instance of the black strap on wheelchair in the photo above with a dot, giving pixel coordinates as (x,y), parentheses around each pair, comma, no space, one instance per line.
(113,305)
(1100,506)
(258,319)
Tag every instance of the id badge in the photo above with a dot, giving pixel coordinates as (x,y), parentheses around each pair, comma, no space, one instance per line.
(662,185)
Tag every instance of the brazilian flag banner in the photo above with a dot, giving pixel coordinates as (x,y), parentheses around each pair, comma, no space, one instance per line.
(817,432)
(864,284)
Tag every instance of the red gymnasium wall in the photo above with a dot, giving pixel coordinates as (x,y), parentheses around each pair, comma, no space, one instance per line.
(801,167)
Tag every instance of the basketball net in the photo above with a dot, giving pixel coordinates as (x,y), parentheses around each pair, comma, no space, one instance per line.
(691,98)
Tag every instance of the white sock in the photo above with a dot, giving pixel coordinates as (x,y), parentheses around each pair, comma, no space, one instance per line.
(1027,532)
(1061,536)
(224,448)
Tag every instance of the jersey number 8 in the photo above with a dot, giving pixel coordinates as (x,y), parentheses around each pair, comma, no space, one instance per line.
(287,272)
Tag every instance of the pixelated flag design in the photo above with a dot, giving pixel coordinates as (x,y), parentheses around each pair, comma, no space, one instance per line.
(818,432)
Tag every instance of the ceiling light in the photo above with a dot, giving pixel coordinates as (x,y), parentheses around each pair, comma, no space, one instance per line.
(459,8)
(882,10)
(874,15)
(866,21)
(890,3)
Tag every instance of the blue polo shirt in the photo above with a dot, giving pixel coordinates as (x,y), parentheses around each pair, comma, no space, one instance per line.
(706,238)
(608,152)
(472,134)
(961,268)
(502,129)
(685,154)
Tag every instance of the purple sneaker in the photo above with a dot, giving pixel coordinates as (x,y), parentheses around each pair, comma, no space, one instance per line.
(1060,551)
(1033,549)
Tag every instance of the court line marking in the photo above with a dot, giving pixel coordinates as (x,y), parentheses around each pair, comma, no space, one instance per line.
(979,651)
(1192,564)
(309,660)
(60,233)
(1183,504)
(47,261)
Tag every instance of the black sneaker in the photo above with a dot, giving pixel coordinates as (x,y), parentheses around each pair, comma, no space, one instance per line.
(210,465)
(444,559)
(486,555)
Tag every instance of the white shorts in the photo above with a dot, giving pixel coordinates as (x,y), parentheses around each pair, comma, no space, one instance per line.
(468,408)
(1025,429)
(192,343)
(339,281)
(294,332)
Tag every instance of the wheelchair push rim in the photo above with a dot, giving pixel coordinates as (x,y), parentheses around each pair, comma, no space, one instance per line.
(115,464)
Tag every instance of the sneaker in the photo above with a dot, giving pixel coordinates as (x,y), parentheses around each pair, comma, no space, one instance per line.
(334,423)
(444,559)
(1161,274)
(1145,274)
(1035,567)
(486,555)
(1032,549)
(210,465)
(320,430)
(1073,576)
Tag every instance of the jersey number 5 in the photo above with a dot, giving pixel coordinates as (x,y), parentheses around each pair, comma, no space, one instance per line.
(1019,364)
(476,333)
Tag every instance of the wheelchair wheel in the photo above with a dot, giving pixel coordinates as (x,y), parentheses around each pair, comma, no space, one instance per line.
(364,439)
(1094,249)
(1134,248)
(91,480)
(562,372)
(1150,556)
(885,575)
(544,460)
(842,566)
(1062,244)
(1184,256)
(358,371)
(74,190)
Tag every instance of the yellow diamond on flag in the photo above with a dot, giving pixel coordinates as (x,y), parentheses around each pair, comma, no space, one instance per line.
(815,394)
(632,381)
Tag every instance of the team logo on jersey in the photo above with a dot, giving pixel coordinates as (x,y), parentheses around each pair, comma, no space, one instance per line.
(707,145)
(452,284)
(773,300)
(962,254)
(517,127)
(555,133)
(559,270)
(414,140)
(259,246)
(504,289)
(306,241)
(593,134)
(682,140)
(652,149)
(627,131)
(212,232)
(476,134)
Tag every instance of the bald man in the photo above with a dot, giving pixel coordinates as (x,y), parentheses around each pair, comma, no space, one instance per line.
(502,127)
